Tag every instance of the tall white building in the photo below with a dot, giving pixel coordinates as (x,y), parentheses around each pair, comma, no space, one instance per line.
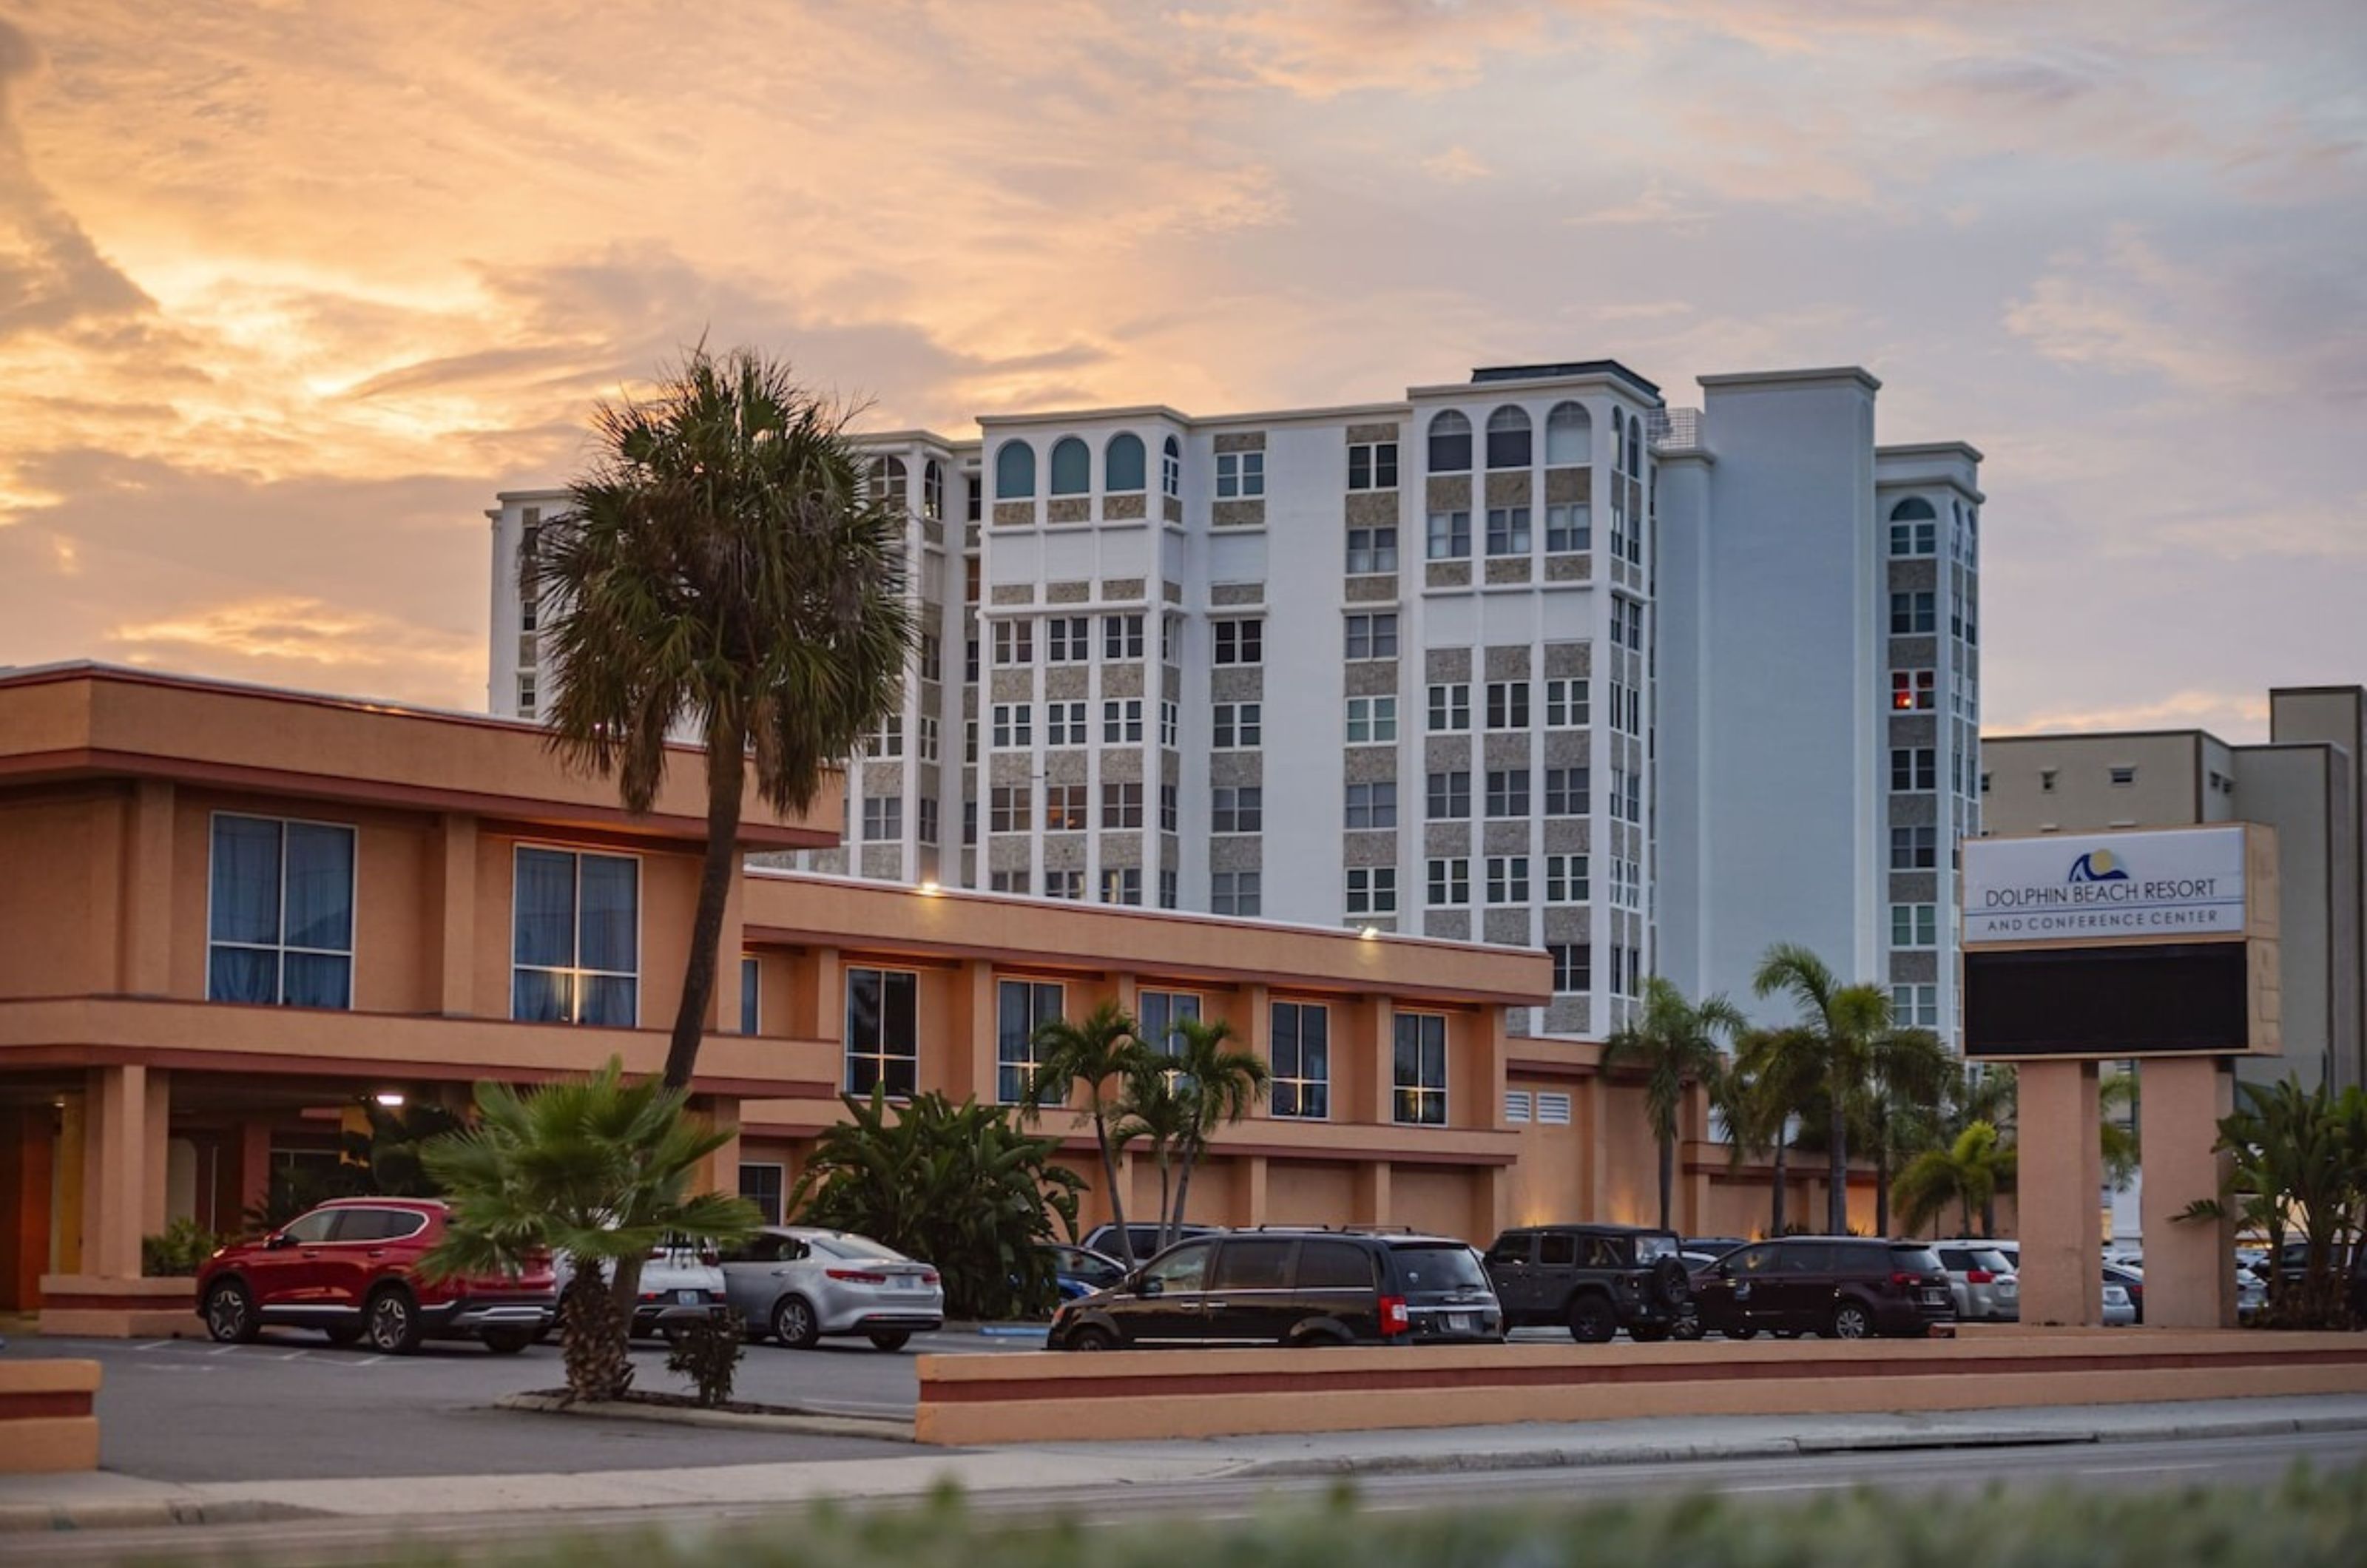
(1528,659)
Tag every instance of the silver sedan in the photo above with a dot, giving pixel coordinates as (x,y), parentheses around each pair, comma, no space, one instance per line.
(797,1284)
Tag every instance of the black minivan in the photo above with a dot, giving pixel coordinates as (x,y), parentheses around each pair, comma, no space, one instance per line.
(1845,1286)
(1290,1287)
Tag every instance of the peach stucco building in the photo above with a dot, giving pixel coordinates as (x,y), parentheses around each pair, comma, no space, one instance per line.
(228,916)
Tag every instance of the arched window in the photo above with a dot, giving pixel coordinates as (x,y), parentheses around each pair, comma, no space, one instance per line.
(1121,464)
(1569,435)
(887,481)
(1171,468)
(1635,445)
(1508,438)
(1015,472)
(1914,508)
(933,490)
(1450,444)
(1072,467)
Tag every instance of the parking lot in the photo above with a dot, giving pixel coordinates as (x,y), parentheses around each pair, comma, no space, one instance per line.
(291,1407)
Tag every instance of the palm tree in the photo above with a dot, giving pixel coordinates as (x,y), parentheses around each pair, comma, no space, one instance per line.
(1907,1073)
(1217,1086)
(1771,1079)
(1675,1042)
(1103,1049)
(596,1167)
(2116,1117)
(1967,1172)
(1839,1024)
(1153,1108)
(721,568)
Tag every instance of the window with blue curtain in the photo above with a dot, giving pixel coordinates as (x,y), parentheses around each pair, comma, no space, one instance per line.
(1015,472)
(1023,1006)
(575,946)
(1122,464)
(1072,467)
(281,913)
(752,1012)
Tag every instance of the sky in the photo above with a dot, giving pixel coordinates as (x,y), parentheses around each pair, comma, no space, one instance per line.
(289,290)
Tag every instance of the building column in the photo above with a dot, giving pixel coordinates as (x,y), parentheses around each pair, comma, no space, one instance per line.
(1253,1190)
(1594,1160)
(123,1167)
(2060,1176)
(452,916)
(2190,1264)
(1692,1203)
(147,951)
(254,1164)
(1368,1194)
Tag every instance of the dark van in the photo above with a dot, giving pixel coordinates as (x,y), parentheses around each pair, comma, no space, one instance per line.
(1847,1287)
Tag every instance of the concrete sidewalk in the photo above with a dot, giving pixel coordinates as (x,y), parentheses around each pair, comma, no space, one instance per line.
(104,1500)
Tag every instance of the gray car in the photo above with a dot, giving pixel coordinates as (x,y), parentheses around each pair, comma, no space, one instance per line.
(1982,1280)
(797,1284)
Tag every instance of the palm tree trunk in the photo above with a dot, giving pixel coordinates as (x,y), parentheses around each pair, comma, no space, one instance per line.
(1109,1178)
(1668,1174)
(1837,1167)
(1776,1219)
(1182,1192)
(727,765)
(592,1337)
(1881,1170)
(1166,1231)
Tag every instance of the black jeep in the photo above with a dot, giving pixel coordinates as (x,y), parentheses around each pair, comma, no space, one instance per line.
(1597,1279)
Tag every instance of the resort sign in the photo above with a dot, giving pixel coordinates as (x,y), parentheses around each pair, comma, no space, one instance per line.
(2185,882)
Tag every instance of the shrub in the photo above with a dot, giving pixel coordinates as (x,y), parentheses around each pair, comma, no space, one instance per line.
(707,1352)
(179,1253)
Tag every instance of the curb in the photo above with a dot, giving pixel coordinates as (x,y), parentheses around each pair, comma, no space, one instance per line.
(807,1423)
(55,1517)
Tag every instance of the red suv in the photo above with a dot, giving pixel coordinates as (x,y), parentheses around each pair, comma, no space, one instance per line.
(351,1269)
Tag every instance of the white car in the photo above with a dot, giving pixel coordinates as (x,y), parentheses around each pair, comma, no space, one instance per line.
(2119,1310)
(797,1283)
(674,1279)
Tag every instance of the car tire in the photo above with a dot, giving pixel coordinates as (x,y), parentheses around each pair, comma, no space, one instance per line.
(391,1321)
(231,1317)
(890,1339)
(1850,1320)
(795,1325)
(344,1336)
(506,1341)
(1592,1319)
(1686,1328)
(1091,1337)
(1672,1286)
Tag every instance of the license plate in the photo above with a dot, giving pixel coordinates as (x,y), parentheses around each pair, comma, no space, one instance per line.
(1458,1323)
(1933,1297)
(687,1298)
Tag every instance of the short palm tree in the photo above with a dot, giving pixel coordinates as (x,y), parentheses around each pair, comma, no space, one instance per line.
(597,1168)
(722,569)
(1217,1086)
(1676,1043)
(2116,1116)
(1837,1026)
(1775,1071)
(1102,1049)
(1967,1172)
(1152,1109)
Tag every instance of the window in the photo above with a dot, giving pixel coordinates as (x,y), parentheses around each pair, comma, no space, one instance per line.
(1171,468)
(1237,808)
(1302,1060)
(1170,639)
(1122,884)
(888,738)
(1064,725)
(932,657)
(1014,724)
(969,741)
(1569,435)
(1913,689)
(1372,890)
(1912,614)
(1450,797)
(973,499)
(1010,808)
(1450,444)
(1913,527)
(1508,879)
(1373,465)
(1067,884)
(1450,881)
(969,660)
(1240,642)
(1072,467)
(1170,887)
(1565,879)
(1635,797)
(1508,438)
(933,489)
(1626,884)
(1450,707)
(1121,637)
(1566,791)
(1121,806)
(1914,925)
(928,821)
(1915,1007)
(526,694)
(1569,529)
(1121,720)
(1419,1069)
(1913,849)
(1573,966)
(1913,767)
(1008,882)
(883,818)
(1171,722)
(1122,466)
(1064,808)
(1372,720)
(1372,805)
(1450,536)
(1238,726)
(1023,1008)
(1066,641)
(886,481)
(1014,642)
(1508,530)
(761,1185)
(281,913)
(1169,812)
(928,737)
(575,942)
(1566,703)
(1372,636)
(2124,776)
(1240,475)
(1234,893)
(883,1032)
(1508,792)
(751,1011)
(1372,550)
(1015,472)
(1626,625)
(1156,1015)
(1508,704)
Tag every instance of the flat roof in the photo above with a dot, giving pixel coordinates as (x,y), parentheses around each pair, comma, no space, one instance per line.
(1562,370)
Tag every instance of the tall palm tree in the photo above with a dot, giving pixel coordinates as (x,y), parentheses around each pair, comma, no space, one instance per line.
(1967,1171)
(1774,1072)
(1217,1086)
(721,568)
(1152,1109)
(2116,1128)
(1907,1073)
(1676,1043)
(1104,1048)
(597,1168)
(1839,1024)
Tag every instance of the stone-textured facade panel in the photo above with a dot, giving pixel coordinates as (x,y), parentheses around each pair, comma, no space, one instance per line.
(1237,593)
(1507,928)
(1569,569)
(1372,678)
(1068,593)
(1448,925)
(1358,435)
(1447,574)
(1237,684)
(1446,839)
(1121,680)
(1064,852)
(1509,569)
(1122,849)
(1119,590)
(1236,768)
(1448,492)
(1122,508)
(1241,441)
(1363,848)
(1238,514)
(1121,764)
(1017,685)
(1015,594)
(1444,753)
(1505,839)
(1014,514)
(1446,664)
(1377,590)
(1235,852)
(1508,750)
(1507,662)
(1565,486)
(1510,489)
(1065,767)
(1370,764)
(1372,508)
(1568,748)
(1067,682)
(1070,509)
(884,862)
(882,779)
(1565,836)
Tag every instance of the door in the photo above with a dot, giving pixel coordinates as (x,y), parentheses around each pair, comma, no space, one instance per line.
(1737,1295)
(1249,1299)
(1515,1277)
(287,1278)
(356,1253)
(1166,1308)
(1553,1275)
(1801,1293)
(759,1274)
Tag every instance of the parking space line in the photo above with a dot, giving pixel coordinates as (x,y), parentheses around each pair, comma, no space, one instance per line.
(153,1344)
(223,1350)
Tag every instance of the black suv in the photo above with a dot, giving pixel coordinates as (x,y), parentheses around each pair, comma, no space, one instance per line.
(1290,1287)
(1848,1287)
(1596,1280)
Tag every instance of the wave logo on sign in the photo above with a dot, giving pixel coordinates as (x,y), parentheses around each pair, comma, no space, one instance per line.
(2097,865)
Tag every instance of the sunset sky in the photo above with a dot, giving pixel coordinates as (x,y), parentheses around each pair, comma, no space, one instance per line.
(288,291)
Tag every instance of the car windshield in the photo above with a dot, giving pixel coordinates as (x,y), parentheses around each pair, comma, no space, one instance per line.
(1915,1260)
(1648,1248)
(1440,1266)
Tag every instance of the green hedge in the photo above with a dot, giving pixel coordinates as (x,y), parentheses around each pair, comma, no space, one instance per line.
(2305,1522)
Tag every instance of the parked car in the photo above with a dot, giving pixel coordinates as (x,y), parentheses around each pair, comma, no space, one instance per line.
(798,1284)
(1716,1246)
(679,1280)
(2125,1257)
(2131,1281)
(1079,1270)
(1982,1281)
(1104,1239)
(2251,1296)
(2293,1260)
(1594,1279)
(1848,1287)
(2119,1311)
(1290,1287)
(350,1268)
